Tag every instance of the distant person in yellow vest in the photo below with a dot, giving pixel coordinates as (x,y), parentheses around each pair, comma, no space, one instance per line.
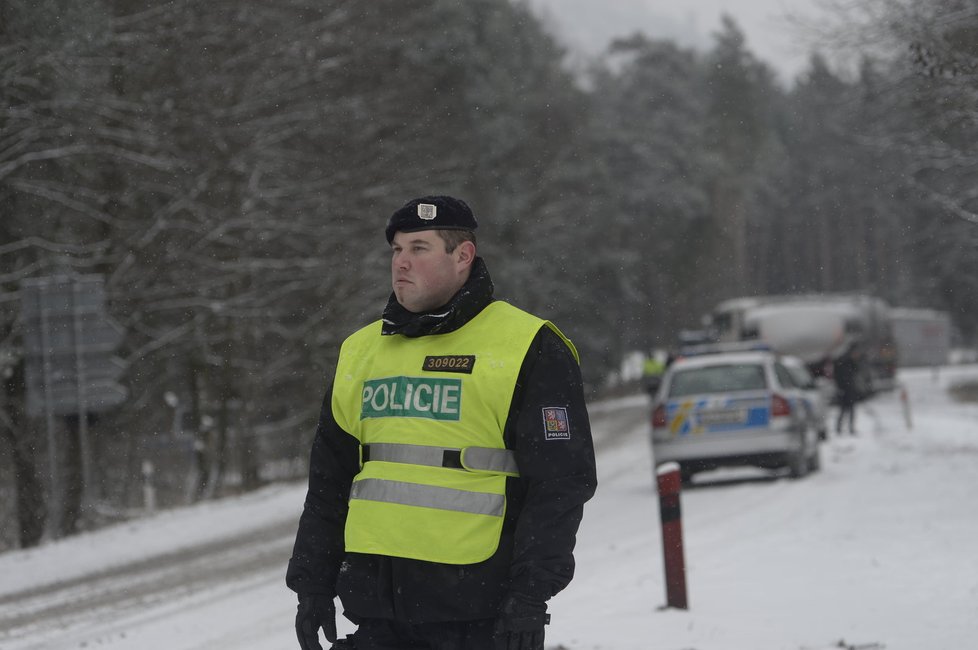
(452,460)
(652,369)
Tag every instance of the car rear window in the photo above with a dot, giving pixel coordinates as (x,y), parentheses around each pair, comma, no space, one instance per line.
(800,377)
(717,379)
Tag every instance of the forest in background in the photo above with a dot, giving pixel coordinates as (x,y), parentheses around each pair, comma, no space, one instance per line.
(228,167)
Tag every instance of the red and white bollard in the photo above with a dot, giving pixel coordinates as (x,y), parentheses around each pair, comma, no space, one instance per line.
(669,483)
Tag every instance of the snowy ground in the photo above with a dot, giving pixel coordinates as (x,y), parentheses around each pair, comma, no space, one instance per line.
(878,550)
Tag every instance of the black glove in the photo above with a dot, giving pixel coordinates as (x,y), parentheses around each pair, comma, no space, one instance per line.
(519,625)
(315,611)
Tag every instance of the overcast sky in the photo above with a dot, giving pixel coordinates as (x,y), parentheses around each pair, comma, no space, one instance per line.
(589,25)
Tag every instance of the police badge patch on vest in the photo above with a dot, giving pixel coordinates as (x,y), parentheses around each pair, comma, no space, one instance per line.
(450,363)
(556,425)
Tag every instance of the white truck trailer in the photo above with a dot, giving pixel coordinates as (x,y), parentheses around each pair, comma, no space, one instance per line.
(923,336)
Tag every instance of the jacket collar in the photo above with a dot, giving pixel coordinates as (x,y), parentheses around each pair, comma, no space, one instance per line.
(472,298)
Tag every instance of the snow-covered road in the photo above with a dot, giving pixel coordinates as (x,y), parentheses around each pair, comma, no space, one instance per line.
(103,598)
(877,550)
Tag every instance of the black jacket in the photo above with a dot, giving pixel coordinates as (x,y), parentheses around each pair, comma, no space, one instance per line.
(846,371)
(544,505)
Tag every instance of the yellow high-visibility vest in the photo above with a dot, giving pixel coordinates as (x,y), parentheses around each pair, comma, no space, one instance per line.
(429,414)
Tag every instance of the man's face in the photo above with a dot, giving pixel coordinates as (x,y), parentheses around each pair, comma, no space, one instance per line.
(423,275)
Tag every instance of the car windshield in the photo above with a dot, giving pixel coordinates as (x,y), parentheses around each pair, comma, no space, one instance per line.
(717,379)
(800,376)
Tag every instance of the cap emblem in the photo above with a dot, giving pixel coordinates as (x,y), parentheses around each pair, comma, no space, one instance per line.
(427,211)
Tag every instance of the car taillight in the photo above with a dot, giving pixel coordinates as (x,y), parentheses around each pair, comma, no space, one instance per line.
(780,406)
(659,416)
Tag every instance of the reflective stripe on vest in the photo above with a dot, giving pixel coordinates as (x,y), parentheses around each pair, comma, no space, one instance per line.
(474,459)
(428,496)
(499,461)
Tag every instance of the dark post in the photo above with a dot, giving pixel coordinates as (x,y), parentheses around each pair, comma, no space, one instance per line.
(672,535)
(905,404)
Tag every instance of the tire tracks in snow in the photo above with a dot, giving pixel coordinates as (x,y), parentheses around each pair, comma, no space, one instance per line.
(139,585)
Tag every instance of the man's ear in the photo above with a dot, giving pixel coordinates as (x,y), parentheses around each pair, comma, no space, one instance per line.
(466,253)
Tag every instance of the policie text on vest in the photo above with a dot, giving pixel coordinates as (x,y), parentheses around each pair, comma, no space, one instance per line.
(412,397)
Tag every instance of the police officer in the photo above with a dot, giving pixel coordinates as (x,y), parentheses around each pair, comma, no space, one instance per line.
(451,463)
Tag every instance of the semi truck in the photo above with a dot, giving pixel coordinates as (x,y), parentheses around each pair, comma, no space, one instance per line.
(817,328)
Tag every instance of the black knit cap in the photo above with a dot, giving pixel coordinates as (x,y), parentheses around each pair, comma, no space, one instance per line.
(431,213)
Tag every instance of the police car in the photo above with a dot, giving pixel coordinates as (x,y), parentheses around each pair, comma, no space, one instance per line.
(733,408)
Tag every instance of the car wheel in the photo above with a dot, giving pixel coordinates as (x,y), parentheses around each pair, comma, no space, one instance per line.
(815,460)
(798,462)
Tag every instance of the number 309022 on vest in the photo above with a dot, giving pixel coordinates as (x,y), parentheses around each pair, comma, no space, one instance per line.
(412,397)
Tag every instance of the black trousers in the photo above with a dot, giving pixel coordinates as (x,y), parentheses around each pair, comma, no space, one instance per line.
(383,634)
(847,413)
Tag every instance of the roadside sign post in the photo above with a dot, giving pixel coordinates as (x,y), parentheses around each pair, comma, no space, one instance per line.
(70,370)
(669,483)
(55,504)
